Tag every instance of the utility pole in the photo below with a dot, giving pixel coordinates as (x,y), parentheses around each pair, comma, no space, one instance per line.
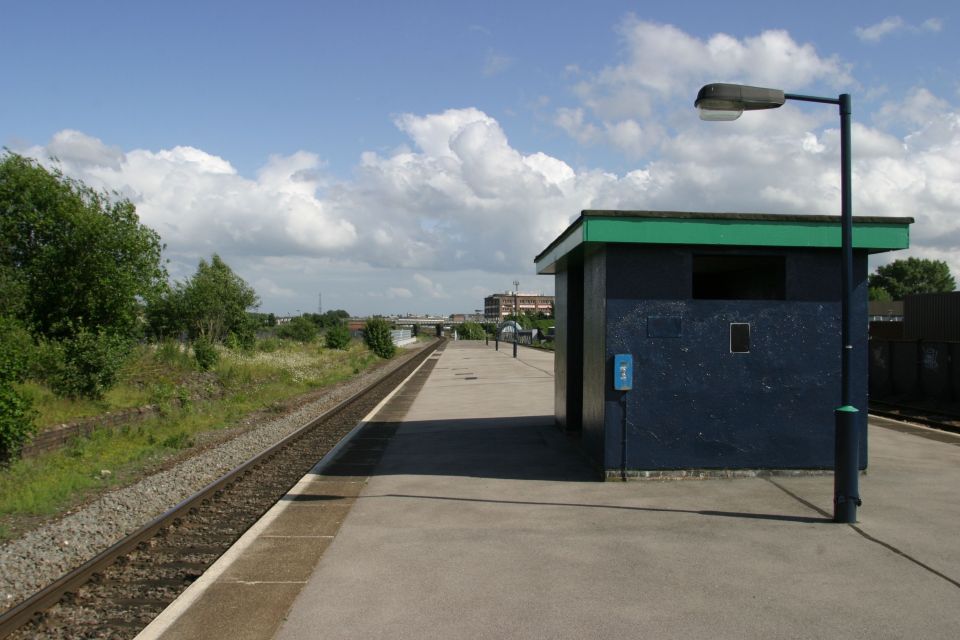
(320,303)
(516,316)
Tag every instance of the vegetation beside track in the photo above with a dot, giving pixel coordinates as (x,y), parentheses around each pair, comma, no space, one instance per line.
(261,379)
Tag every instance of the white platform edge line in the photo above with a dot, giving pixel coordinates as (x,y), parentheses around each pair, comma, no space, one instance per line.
(916,425)
(159,625)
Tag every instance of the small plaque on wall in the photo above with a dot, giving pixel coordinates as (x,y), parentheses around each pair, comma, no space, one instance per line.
(664,326)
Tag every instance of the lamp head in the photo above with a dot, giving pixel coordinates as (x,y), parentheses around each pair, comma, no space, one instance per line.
(720,101)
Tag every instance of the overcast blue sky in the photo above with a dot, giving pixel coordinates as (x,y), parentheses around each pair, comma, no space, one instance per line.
(413,156)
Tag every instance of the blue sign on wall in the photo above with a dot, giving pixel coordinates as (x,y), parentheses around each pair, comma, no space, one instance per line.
(623,372)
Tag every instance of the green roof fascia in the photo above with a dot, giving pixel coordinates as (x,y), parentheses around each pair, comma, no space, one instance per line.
(572,238)
(785,232)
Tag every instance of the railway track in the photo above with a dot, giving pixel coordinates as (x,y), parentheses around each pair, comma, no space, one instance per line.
(944,421)
(118,592)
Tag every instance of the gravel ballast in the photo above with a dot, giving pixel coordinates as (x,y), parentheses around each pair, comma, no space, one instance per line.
(34,560)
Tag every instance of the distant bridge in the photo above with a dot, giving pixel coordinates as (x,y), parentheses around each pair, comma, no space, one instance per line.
(431,322)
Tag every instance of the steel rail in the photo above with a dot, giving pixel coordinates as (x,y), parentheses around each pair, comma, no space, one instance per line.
(918,415)
(24,612)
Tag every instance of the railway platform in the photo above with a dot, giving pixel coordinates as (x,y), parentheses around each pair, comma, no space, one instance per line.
(458,511)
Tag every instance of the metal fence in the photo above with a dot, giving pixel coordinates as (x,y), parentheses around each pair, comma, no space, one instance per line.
(915,370)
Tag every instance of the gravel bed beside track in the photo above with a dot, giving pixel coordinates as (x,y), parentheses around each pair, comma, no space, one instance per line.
(39,557)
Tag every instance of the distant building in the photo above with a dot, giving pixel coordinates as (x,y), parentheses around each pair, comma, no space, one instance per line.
(500,305)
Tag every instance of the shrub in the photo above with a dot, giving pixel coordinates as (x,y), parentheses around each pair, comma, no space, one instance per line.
(338,337)
(84,366)
(172,353)
(376,333)
(179,440)
(16,411)
(300,329)
(16,421)
(243,336)
(206,353)
(242,341)
(470,331)
(268,345)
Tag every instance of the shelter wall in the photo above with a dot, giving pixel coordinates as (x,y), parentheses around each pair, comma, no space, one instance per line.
(694,403)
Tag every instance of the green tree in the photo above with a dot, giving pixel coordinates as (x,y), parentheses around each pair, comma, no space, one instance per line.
(79,258)
(211,304)
(165,313)
(328,319)
(376,333)
(902,278)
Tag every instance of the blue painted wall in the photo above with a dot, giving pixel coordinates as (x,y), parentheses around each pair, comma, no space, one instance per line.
(695,404)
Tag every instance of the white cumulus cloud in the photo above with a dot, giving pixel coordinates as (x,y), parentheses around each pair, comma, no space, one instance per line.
(462,207)
(663,66)
(894,24)
(199,203)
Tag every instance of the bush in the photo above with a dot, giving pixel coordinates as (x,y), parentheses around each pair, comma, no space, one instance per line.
(16,411)
(84,366)
(338,337)
(300,329)
(206,353)
(376,333)
(269,345)
(16,350)
(16,421)
(470,331)
(243,336)
(170,352)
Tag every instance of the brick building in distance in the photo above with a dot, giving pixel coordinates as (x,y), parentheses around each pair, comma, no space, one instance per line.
(500,305)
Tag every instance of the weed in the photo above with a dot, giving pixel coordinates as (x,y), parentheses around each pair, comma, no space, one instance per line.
(179,440)
(171,352)
(269,345)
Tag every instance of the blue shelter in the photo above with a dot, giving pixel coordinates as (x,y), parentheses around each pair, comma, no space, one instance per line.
(731,324)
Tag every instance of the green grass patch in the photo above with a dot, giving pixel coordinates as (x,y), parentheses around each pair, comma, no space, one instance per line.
(149,376)
(259,380)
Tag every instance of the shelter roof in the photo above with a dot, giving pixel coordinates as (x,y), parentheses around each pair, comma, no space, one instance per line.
(873,234)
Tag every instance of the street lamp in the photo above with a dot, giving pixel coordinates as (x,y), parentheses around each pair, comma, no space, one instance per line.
(516,315)
(726,102)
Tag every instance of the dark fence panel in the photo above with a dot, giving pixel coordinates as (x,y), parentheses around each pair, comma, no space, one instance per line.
(881,380)
(935,370)
(914,370)
(955,370)
(903,368)
(932,316)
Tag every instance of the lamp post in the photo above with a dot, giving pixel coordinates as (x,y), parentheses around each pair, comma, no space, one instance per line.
(516,316)
(726,102)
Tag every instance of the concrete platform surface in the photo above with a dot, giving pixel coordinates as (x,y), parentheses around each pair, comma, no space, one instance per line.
(483,521)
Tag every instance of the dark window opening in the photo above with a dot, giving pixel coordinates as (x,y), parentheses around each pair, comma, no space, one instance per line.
(739,277)
(739,337)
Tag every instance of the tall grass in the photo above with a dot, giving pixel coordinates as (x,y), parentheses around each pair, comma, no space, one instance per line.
(257,380)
